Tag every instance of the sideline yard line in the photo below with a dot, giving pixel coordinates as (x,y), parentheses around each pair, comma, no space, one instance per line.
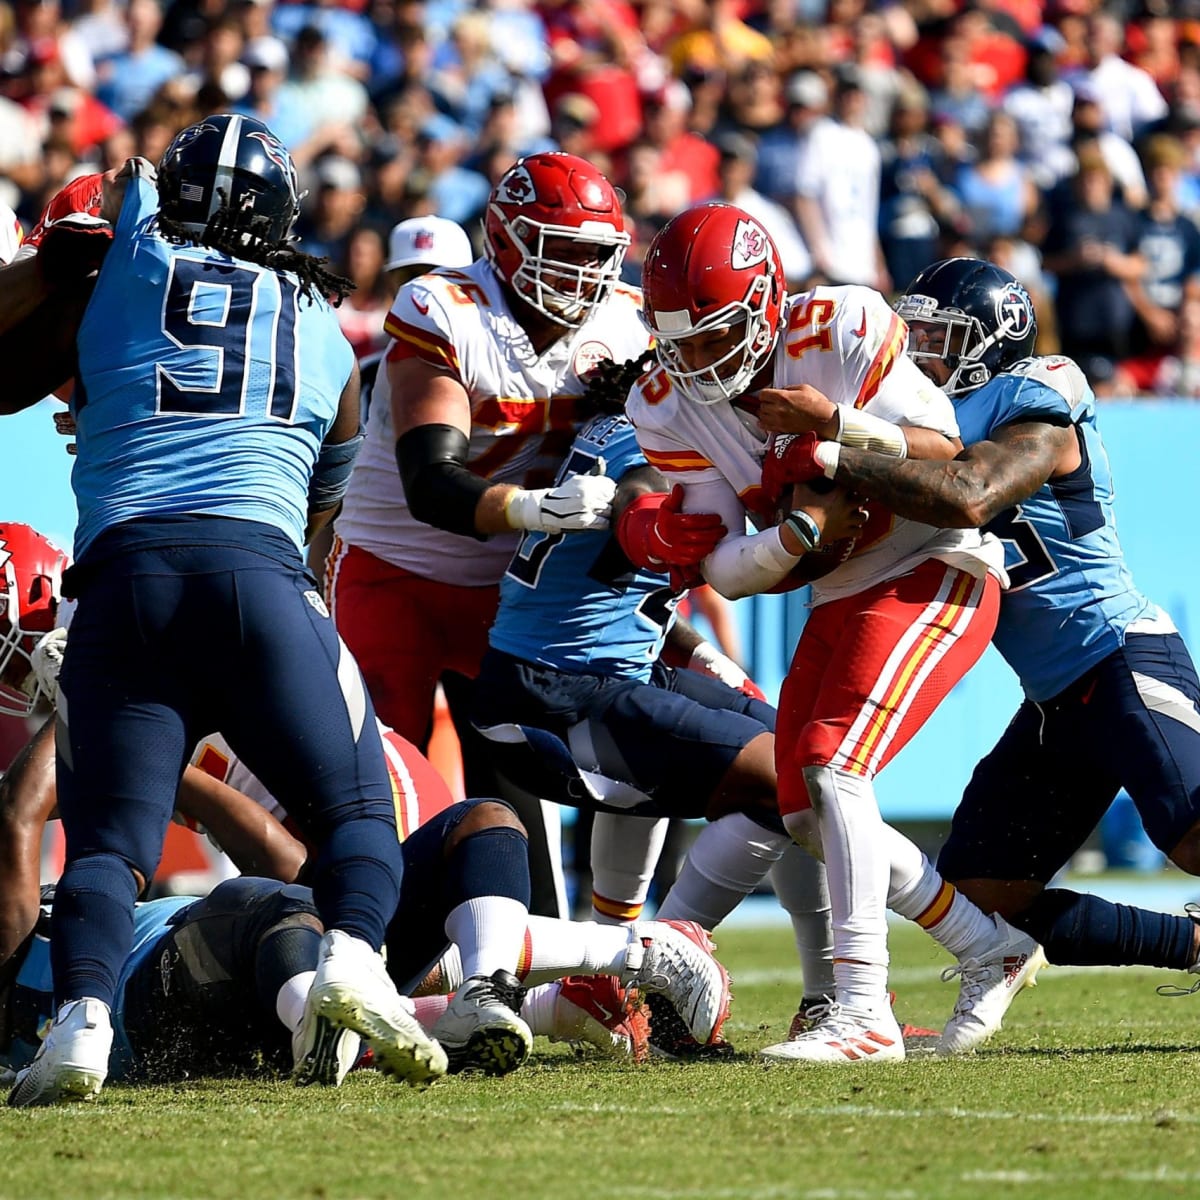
(792,974)
(870,1112)
(1157,1175)
(753,1192)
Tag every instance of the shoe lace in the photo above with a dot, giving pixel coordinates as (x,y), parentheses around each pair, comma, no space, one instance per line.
(1174,990)
(816,1010)
(1191,909)
(665,966)
(974,974)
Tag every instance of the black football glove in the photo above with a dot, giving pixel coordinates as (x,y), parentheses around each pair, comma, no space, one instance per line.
(73,247)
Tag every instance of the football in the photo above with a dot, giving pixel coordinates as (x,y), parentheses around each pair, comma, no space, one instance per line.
(817,563)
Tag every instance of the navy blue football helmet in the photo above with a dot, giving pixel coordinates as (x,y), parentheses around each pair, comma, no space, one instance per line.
(987,314)
(237,160)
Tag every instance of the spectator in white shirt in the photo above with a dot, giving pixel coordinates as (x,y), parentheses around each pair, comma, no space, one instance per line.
(1129,96)
(838,193)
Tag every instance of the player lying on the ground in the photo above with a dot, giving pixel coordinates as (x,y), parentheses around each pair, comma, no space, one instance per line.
(465,886)
(1111,694)
(217,985)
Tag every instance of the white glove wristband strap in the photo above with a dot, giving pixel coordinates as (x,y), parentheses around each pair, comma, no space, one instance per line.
(522,509)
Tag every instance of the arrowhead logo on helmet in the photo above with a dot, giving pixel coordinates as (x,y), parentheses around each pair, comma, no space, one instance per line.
(516,187)
(750,245)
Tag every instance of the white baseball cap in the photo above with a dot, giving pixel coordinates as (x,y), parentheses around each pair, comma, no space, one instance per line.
(429,241)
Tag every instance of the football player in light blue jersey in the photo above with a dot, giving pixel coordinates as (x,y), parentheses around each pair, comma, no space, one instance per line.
(578,707)
(209,985)
(1111,693)
(218,420)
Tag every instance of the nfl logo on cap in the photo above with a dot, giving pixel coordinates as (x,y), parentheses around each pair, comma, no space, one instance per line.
(428,242)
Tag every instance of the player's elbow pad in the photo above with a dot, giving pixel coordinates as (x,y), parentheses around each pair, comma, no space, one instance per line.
(439,488)
(331,474)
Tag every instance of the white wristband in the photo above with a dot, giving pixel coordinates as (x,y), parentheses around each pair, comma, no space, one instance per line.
(865,431)
(828,454)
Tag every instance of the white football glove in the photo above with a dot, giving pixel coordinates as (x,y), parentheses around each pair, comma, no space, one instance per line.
(47,660)
(582,502)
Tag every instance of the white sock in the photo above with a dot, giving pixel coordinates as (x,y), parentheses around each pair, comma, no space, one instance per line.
(727,861)
(625,852)
(538,1010)
(799,882)
(427,1010)
(289,1000)
(857,866)
(451,972)
(489,932)
(557,948)
(919,893)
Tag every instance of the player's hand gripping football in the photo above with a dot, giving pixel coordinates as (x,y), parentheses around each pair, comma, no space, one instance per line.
(581,502)
(655,532)
(838,512)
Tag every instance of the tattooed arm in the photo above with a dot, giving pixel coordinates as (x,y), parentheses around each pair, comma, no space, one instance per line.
(968,491)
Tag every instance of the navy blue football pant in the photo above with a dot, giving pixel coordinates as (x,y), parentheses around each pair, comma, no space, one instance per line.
(170,643)
(1132,721)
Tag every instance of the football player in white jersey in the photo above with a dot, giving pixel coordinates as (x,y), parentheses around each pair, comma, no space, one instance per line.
(477,405)
(901,610)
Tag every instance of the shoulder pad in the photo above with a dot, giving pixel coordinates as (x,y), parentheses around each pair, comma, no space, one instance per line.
(1058,372)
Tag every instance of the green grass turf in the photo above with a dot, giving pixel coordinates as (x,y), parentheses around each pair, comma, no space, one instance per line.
(1087,1092)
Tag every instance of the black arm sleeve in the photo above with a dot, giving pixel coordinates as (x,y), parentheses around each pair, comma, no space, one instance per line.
(440,490)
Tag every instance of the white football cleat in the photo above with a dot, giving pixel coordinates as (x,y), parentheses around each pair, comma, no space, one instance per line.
(323,1052)
(844,1035)
(596,1009)
(989,985)
(72,1062)
(352,990)
(675,959)
(813,1010)
(480,1029)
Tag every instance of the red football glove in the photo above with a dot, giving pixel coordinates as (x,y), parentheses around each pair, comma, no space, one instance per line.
(73,247)
(791,458)
(654,533)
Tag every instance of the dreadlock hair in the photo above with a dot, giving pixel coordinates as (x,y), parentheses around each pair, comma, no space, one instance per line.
(607,384)
(241,234)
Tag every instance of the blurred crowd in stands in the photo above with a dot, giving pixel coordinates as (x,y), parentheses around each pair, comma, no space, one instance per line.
(1059,138)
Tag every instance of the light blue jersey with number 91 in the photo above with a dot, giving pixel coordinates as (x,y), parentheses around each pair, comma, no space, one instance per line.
(207,384)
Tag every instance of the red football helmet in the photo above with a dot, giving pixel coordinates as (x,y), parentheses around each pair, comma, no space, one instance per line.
(555,233)
(31,569)
(713,267)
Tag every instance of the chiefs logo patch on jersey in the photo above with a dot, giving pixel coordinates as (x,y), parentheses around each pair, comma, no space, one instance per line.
(750,245)
(516,187)
(589,356)
(1014,312)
